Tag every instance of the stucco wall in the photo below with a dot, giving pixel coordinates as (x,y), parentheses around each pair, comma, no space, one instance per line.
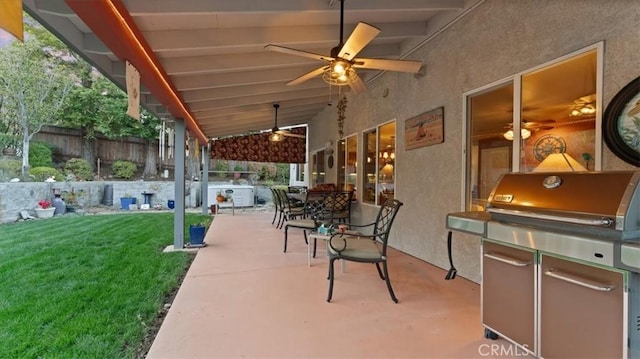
(496,40)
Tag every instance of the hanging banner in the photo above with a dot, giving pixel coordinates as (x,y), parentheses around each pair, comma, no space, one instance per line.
(11,18)
(133,91)
(258,148)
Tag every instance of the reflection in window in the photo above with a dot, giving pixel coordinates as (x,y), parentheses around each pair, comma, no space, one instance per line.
(369,160)
(317,168)
(347,163)
(490,155)
(562,117)
(379,163)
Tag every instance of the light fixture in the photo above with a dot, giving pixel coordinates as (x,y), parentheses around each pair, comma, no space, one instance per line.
(276,135)
(585,109)
(339,73)
(559,162)
(524,134)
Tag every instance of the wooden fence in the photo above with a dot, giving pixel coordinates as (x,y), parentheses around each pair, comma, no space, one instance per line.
(69,142)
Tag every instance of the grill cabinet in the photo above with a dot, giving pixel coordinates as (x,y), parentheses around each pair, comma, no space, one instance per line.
(573,240)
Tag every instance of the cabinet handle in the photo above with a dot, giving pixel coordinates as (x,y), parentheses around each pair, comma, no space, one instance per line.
(507,260)
(579,281)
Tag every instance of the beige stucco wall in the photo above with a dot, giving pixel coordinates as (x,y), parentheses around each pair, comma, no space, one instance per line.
(496,40)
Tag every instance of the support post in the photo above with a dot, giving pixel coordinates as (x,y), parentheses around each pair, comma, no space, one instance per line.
(178,214)
(204,179)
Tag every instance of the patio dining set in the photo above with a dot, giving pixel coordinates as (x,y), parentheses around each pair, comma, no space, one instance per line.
(325,213)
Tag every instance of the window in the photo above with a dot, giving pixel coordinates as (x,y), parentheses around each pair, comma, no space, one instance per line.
(379,158)
(558,113)
(347,163)
(317,168)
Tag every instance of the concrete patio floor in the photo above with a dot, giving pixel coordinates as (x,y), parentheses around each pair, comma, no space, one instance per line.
(244,298)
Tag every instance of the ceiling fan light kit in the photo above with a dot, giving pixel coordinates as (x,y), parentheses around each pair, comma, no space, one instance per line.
(524,134)
(342,62)
(277,134)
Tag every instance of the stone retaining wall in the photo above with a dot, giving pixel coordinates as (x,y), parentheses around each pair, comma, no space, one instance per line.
(16,197)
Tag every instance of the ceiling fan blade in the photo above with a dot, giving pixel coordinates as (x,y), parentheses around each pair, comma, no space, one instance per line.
(359,38)
(289,134)
(389,65)
(358,86)
(309,75)
(290,51)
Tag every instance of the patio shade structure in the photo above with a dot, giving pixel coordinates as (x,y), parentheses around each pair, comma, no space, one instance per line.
(204,63)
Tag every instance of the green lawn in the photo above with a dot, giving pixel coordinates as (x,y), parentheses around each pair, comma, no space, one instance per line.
(85,286)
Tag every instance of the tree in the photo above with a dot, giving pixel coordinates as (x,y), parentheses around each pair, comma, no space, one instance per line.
(97,106)
(35,83)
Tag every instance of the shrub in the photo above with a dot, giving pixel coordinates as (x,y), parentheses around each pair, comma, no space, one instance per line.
(79,169)
(40,154)
(9,169)
(222,165)
(123,169)
(40,174)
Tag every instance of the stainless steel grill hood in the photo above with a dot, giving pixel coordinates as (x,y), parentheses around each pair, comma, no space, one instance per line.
(602,204)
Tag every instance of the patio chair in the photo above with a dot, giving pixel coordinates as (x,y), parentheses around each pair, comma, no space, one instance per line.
(291,209)
(276,202)
(366,248)
(314,214)
(342,207)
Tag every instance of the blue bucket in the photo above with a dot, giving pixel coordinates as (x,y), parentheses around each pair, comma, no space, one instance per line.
(171,204)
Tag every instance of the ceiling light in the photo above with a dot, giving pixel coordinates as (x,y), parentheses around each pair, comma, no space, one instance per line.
(339,73)
(524,133)
(275,135)
(583,110)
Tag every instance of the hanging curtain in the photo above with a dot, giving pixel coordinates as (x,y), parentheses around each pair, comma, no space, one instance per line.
(258,148)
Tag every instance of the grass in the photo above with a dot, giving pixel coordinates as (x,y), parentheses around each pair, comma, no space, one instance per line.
(85,286)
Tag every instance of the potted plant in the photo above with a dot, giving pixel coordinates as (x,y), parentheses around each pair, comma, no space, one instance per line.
(238,169)
(44,209)
(126,201)
(197,232)
(220,197)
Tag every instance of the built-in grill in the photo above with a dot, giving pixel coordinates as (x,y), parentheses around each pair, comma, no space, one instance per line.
(560,262)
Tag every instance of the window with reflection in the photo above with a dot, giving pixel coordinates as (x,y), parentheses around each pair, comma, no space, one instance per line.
(379,163)
(347,163)
(317,168)
(553,130)
(558,116)
(369,161)
(490,153)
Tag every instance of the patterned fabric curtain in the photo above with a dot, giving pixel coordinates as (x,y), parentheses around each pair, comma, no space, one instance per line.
(258,148)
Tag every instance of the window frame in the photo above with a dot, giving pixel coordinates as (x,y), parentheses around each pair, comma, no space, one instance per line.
(516,80)
(376,163)
(343,162)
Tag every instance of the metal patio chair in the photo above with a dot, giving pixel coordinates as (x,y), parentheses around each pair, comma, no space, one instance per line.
(314,214)
(365,248)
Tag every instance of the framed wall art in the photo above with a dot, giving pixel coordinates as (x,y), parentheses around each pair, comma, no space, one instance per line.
(621,124)
(425,129)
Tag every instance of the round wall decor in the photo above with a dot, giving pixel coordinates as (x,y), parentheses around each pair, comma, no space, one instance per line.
(621,123)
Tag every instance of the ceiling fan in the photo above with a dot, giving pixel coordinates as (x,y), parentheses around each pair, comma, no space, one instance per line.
(341,64)
(277,134)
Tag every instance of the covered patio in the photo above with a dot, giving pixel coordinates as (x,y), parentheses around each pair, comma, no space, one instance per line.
(244,297)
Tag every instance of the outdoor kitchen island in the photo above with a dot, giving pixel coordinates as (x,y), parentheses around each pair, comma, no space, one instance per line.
(561,262)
